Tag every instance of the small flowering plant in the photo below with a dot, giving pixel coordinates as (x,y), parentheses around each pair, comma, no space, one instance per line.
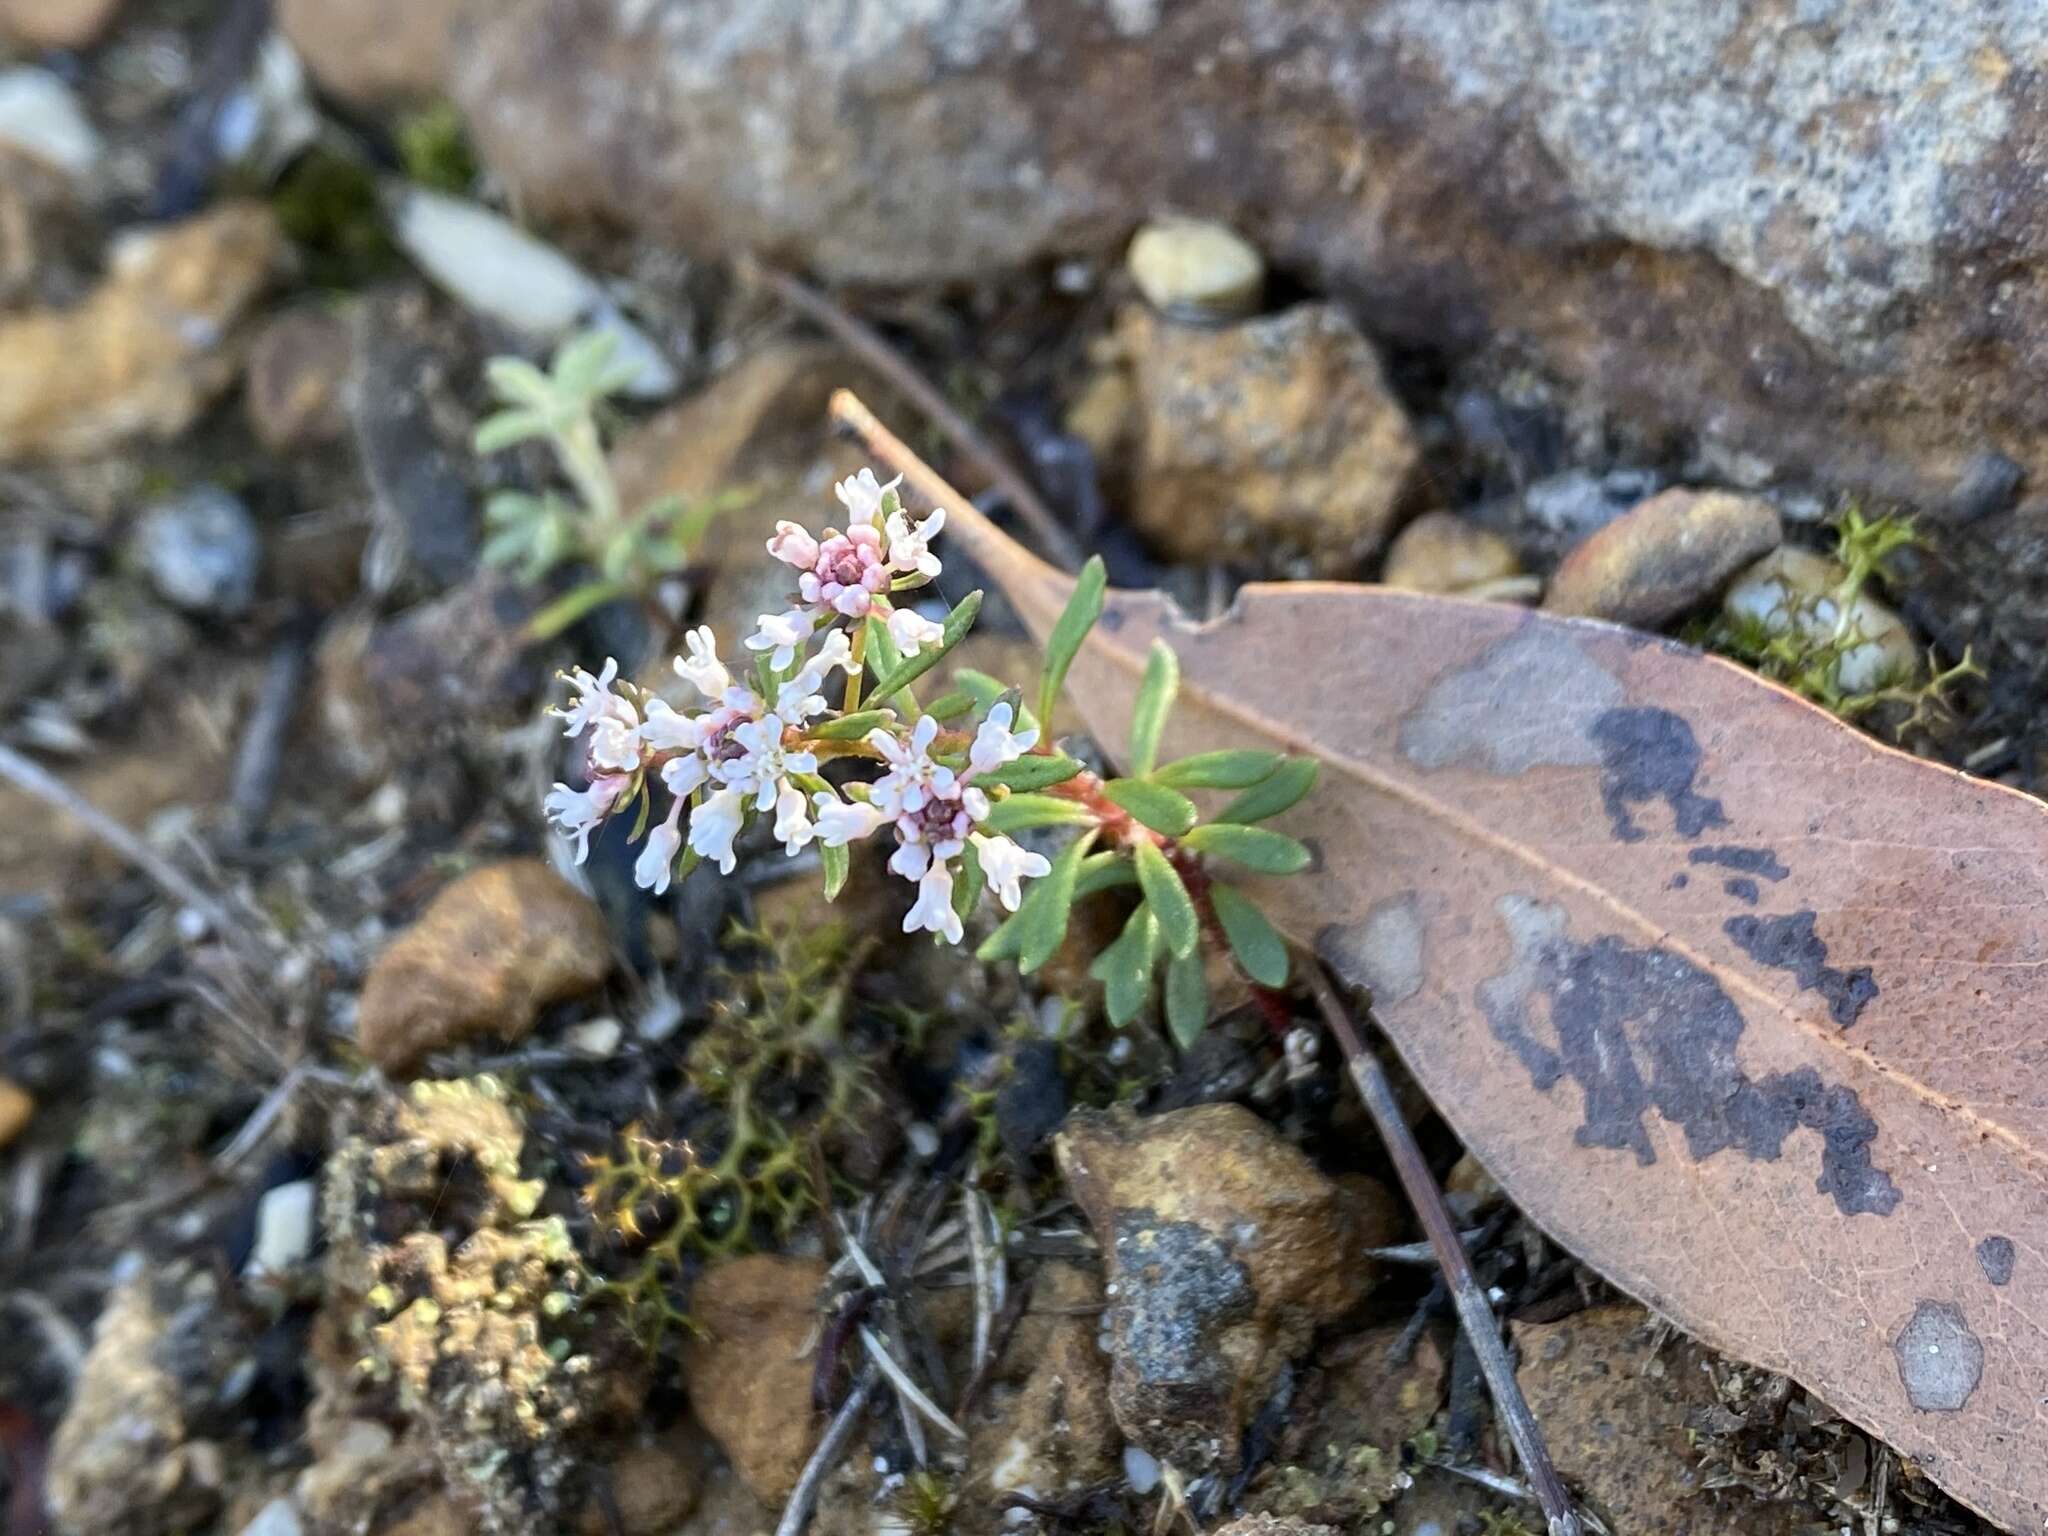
(949,783)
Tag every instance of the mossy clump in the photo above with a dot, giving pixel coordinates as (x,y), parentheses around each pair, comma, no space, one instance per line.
(1342,1486)
(777,1090)
(326,203)
(434,149)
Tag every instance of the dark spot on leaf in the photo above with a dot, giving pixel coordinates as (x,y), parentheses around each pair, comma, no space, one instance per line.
(1742,889)
(1646,1029)
(1112,619)
(1789,943)
(1995,1256)
(1940,1360)
(1744,861)
(1651,754)
(1680,881)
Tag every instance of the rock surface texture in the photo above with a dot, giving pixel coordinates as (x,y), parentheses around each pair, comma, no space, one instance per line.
(1813,231)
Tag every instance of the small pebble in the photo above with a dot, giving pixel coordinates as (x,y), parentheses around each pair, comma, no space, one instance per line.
(41,117)
(1574,502)
(1189,269)
(17,1108)
(1795,587)
(1441,552)
(924,1141)
(280,1517)
(597,1038)
(1663,557)
(1141,1470)
(201,551)
(284,1228)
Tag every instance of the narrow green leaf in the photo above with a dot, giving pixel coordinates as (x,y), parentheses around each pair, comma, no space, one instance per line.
(1176,910)
(1228,769)
(517,382)
(1082,610)
(1155,702)
(837,863)
(1015,813)
(1259,949)
(582,364)
(950,706)
(1034,770)
(1101,871)
(571,606)
(881,658)
(1125,968)
(1164,810)
(1053,898)
(1256,848)
(494,434)
(967,885)
(1187,999)
(905,672)
(987,692)
(1283,787)
(854,726)
(1008,938)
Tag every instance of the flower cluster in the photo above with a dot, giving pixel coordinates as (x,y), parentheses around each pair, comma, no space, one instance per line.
(753,746)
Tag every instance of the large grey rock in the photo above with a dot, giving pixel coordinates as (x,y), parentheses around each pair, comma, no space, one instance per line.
(1803,228)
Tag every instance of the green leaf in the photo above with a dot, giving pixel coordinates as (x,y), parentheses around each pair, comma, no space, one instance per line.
(1125,968)
(958,622)
(1049,906)
(1283,787)
(1101,871)
(1256,848)
(1228,769)
(582,365)
(1082,610)
(1155,701)
(987,692)
(1164,810)
(517,382)
(838,862)
(1034,770)
(1016,813)
(494,434)
(967,887)
(950,706)
(571,606)
(1008,938)
(1260,950)
(1187,999)
(852,727)
(1176,910)
(506,546)
(502,507)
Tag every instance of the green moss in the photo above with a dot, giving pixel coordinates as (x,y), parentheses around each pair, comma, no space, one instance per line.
(326,202)
(434,149)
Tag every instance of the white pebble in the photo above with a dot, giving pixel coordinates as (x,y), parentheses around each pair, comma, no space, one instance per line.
(40,117)
(280,1517)
(596,1038)
(1141,1470)
(284,1228)
(924,1141)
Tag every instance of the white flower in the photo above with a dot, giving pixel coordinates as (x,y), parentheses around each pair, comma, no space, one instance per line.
(913,777)
(577,812)
(862,495)
(1005,864)
(845,821)
(912,631)
(793,825)
(701,668)
(715,823)
(933,909)
(910,544)
(594,701)
(783,635)
(995,744)
(683,774)
(667,730)
(657,861)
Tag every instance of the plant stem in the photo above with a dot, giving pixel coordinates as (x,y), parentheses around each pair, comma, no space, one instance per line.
(890,363)
(856,661)
(1475,1312)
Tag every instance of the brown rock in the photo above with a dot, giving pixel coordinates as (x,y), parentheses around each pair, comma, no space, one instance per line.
(1190,269)
(748,1375)
(1049,1427)
(1617,1414)
(17,1108)
(1274,1525)
(490,952)
(1274,437)
(373,52)
(1441,552)
(57,23)
(1663,557)
(655,1484)
(298,366)
(1227,1250)
(148,350)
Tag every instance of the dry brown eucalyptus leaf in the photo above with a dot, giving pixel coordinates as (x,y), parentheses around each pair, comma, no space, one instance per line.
(1744,1008)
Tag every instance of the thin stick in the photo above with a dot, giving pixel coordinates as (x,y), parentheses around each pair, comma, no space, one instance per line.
(1475,1312)
(32,778)
(261,753)
(831,1445)
(894,366)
